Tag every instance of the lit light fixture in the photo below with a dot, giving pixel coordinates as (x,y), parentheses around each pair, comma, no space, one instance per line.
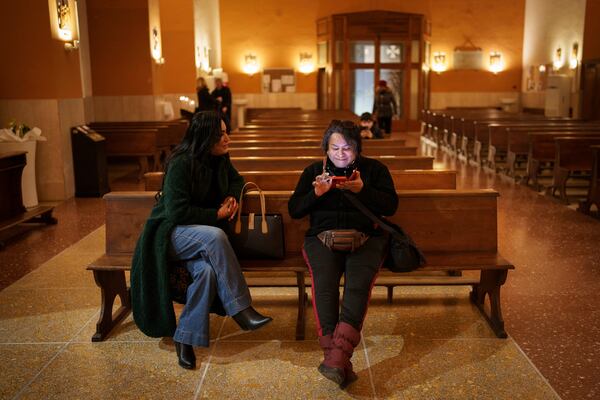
(156,46)
(439,62)
(558,62)
(573,59)
(306,63)
(64,22)
(496,62)
(542,68)
(251,65)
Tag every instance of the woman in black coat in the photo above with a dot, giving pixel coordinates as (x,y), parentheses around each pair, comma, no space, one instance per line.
(320,194)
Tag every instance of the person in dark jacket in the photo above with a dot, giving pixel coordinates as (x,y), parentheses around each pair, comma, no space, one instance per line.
(368,127)
(222,98)
(384,106)
(199,194)
(205,100)
(329,209)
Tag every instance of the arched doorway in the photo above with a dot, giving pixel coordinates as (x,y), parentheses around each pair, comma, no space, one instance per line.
(357,50)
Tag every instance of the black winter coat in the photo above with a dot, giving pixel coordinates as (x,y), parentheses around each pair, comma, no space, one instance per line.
(333,211)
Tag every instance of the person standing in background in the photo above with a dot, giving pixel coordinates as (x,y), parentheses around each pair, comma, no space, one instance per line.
(222,97)
(205,100)
(385,106)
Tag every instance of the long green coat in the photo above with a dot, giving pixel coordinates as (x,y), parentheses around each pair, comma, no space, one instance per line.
(179,205)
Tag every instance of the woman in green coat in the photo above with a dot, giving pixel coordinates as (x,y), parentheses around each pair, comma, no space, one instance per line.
(199,194)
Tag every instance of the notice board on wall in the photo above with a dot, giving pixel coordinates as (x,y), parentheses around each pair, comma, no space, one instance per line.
(278,80)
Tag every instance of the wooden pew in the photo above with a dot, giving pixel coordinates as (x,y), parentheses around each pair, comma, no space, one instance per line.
(287,180)
(457,230)
(571,154)
(173,129)
(301,162)
(518,144)
(593,196)
(138,143)
(315,151)
(498,135)
(261,142)
(542,150)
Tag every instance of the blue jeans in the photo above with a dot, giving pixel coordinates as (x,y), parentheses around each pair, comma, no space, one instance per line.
(215,270)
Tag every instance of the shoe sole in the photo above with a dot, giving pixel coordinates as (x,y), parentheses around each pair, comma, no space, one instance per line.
(333,374)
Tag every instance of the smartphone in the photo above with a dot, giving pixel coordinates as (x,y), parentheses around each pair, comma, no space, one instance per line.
(339,179)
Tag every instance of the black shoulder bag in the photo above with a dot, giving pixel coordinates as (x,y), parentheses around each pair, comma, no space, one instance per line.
(403,254)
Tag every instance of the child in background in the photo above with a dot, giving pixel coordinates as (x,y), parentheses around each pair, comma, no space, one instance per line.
(369,129)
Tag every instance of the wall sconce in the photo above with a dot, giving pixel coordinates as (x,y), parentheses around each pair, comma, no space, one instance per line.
(573,59)
(156,46)
(250,66)
(306,63)
(439,62)
(64,22)
(496,63)
(557,63)
(542,68)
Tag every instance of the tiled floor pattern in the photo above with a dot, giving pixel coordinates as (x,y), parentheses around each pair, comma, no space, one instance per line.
(430,344)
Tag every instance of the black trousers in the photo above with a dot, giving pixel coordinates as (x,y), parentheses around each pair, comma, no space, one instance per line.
(326,269)
(385,124)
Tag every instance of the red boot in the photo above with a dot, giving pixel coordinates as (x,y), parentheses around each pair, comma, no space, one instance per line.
(337,366)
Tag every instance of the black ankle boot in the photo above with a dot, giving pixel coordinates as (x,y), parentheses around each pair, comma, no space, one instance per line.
(185,355)
(250,319)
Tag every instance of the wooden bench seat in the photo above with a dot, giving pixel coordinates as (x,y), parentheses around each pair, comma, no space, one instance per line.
(315,151)
(542,150)
(287,180)
(457,230)
(498,137)
(139,143)
(593,196)
(571,154)
(518,145)
(237,142)
(301,162)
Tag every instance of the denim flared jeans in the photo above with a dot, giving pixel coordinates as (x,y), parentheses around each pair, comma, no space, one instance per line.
(215,271)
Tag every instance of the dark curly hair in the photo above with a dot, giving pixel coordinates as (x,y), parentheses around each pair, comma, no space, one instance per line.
(348,130)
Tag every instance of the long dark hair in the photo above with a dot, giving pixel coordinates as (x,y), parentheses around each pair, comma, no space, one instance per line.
(202,134)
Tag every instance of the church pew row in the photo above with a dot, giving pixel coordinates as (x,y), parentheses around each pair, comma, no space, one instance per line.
(300,162)
(542,151)
(518,142)
(498,136)
(456,229)
(140,144)
(571,154)
(593,195)
(287,180)
(237,142)
(316,151)
(174,129)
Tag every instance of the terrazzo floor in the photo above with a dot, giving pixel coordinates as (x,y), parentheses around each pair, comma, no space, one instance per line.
(430,344)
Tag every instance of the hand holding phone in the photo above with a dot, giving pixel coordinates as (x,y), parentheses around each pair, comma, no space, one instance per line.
(354,183)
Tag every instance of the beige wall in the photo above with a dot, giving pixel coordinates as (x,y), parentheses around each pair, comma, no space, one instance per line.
(41,85)
(550,24)
(178,73)
(277,31)
(119,47)
(34,65)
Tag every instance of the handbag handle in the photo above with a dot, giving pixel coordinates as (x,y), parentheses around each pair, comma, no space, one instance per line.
(238,223)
